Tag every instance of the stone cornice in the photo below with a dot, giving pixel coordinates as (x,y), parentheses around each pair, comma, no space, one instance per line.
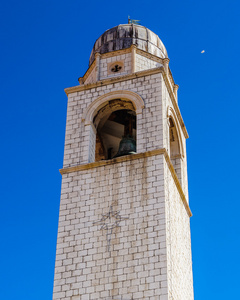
(112,80)
(171,77)
(130,158)
(178,185)
(122,52)
(115,53)
(149,55)
(89,70)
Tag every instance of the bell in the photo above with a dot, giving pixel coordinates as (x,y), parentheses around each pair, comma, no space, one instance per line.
(127,146)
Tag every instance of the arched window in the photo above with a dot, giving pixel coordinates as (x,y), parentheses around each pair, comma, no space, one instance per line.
(115,122)
(107,119)
(174,142)
(175,153)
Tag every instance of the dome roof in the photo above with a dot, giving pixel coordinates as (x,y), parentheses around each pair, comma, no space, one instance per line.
(125,35)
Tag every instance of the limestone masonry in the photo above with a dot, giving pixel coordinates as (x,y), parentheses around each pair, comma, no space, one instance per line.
(124,228)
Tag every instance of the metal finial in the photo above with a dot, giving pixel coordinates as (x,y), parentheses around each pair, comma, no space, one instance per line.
(131,21)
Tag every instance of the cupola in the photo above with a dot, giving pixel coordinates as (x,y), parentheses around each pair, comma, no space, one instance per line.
(124,36)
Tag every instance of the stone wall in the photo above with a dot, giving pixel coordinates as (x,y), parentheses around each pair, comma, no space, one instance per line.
(105,64)
(131,263)
(144,63)
(149,123)
(125,59)
(178,238)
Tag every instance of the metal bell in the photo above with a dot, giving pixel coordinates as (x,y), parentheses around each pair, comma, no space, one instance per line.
(127,146)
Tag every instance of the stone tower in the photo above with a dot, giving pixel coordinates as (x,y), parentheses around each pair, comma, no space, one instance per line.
(124,230)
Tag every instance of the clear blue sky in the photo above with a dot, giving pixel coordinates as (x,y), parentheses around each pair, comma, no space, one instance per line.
(45,47)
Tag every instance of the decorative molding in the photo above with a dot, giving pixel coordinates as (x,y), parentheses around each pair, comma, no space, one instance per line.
(130,50)
(97,69)
(115,53)
(111,65)
(171,114)
(157,59)
(97,104)
(175,89)
(93,128)
(177,156)
(162,151)
(109,107)
(89,71)
(149,55)
(166,65)
(133,60)
(177,182)
(112,161)
(175,104)
(111,80)
(80,80)
(170,77)
(139,74)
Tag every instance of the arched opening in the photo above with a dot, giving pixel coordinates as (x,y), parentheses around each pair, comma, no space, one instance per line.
(115,120)
(98,112)
(175,154)
(174,142)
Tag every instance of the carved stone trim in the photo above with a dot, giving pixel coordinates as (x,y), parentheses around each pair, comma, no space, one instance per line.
(98,103)
(112,80)
(149,55)
(171,114)
(162,151)
(115,53)
(175,105)
(110,107)
(115,67)
(89,70)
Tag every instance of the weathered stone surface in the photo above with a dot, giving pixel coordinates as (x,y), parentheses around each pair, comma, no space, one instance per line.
(123,36)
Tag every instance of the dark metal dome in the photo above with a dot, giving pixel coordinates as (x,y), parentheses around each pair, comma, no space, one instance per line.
(123,36)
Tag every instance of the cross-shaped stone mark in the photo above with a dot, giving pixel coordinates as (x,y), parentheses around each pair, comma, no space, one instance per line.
(108,222)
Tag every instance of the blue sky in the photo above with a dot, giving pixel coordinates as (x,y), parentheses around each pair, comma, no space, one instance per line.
(45,47)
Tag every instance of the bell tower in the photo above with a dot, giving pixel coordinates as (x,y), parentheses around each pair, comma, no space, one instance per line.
(124,228)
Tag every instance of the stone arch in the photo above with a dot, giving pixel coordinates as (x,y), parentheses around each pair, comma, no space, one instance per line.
(101,112)
(98,103)
(176,150)
(109,107)
(171,115)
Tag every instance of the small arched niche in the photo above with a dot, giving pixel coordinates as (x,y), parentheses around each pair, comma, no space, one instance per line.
(175,153)
(117,118)
(174,141)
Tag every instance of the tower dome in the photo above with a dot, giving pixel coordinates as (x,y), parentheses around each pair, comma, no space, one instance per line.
(125,35)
